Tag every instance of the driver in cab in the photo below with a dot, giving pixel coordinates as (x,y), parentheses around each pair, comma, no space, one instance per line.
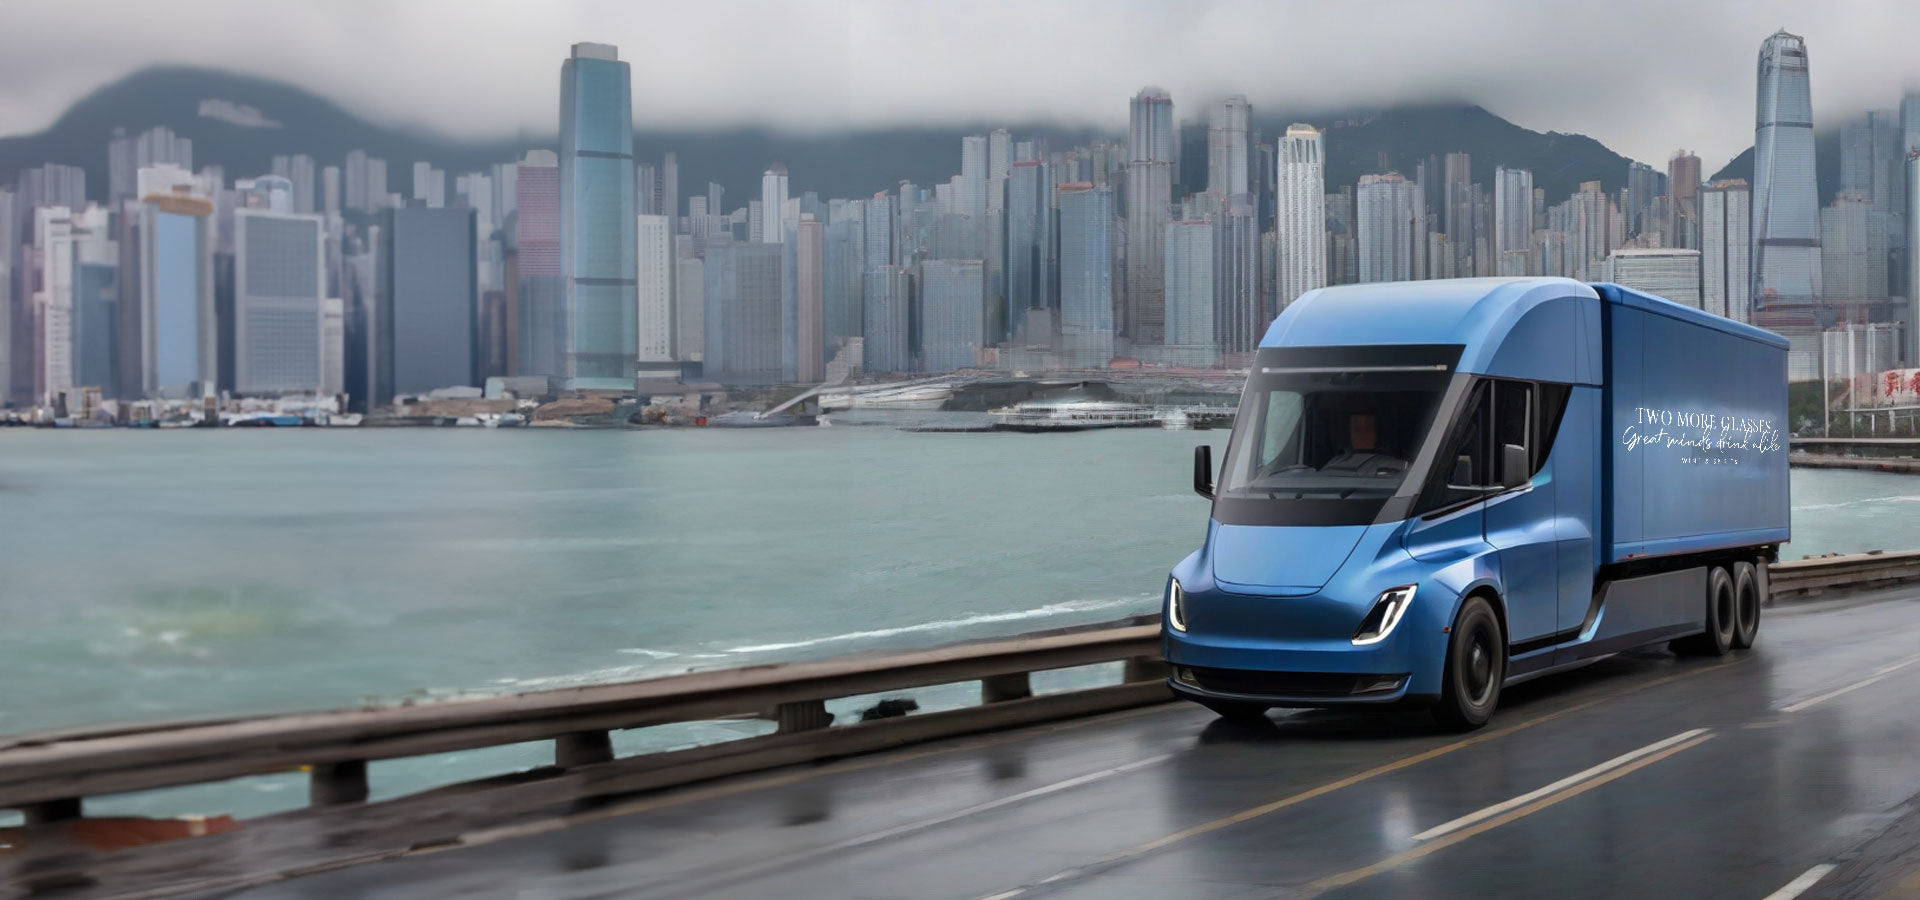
(1363,455)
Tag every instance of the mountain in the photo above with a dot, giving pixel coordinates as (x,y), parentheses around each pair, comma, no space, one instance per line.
(240,122)
(1826,165)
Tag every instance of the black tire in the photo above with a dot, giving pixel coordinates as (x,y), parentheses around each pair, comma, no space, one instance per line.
(1476,664)
(1746,605)
(1721,616)
(1236,711)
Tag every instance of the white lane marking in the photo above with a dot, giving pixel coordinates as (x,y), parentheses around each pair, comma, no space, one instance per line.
(1005,895)
(1562,784)
(1879,674)
(1799,886)
(1009,800)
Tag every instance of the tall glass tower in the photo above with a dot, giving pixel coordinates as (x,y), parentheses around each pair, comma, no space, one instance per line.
(1786,202)
(597,217)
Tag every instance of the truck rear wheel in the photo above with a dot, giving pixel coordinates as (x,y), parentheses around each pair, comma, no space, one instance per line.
(1746,605)
(1476,664)
(1722,618)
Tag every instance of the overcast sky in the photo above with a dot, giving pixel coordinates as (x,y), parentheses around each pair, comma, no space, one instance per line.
(1644,76)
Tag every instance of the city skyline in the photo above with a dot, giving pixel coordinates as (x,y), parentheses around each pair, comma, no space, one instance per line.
(493,87)
(1034,255)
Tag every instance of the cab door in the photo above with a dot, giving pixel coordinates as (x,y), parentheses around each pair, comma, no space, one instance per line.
(1520,521)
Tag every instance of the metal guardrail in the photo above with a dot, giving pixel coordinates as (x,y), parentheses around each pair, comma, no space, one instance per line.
(1857,570)
(47,775)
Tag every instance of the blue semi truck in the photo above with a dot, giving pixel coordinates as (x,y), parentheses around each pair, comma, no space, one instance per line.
(1436,489)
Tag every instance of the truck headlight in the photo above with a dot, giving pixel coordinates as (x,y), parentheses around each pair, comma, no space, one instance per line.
(1387,610)
(1176,605)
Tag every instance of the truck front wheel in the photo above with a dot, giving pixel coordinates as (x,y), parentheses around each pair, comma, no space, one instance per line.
(1476,664)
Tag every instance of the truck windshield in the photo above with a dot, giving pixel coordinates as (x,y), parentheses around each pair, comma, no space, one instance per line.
(1327,437)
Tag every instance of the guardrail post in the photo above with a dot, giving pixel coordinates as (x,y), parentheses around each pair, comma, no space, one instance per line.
(582,748)
(1011,686)
(802,715)
(51,811)
(1144,668)
(336,783)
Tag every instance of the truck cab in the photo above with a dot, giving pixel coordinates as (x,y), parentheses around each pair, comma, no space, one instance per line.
(1418,500)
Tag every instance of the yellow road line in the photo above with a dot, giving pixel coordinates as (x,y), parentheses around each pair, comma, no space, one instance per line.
(1353,875)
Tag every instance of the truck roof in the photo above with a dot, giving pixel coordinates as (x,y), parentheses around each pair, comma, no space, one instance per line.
(1474,312)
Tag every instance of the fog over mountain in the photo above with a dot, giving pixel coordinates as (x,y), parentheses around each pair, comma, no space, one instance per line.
(1644,77)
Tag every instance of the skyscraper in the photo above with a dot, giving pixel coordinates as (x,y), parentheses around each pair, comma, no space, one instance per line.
(1643,184)
(1029,216)
(1457,212)
(1086,273)
(279,280)
(1851,270)
(1725,244)
(1670,273)
(1152,157)
(176,351)
(597,216)
(887,317)
(743,313)
(1227,124)
(1786,209)
(1239,319)
(543,292)
(846,263)
(1683,206)
(1512,220)
(773,199)
(953,321)
(1300,221)
(999,153)
(1390,227)
(427,331)
(1191,339)
(810,300)
(653,270)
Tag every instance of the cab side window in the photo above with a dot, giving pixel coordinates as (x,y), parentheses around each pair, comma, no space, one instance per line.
(1463,467)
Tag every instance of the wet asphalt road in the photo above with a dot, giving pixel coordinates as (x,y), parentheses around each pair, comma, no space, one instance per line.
(1646,775)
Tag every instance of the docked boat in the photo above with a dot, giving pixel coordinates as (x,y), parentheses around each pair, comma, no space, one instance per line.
(502,420)
(1083,415)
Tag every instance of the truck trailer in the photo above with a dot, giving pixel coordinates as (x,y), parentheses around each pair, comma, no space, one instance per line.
(1437,489)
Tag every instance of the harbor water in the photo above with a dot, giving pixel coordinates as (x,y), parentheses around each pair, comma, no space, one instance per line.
(150,576)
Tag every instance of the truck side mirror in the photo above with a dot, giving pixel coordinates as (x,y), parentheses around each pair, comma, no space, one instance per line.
(1203,470)
(1513,465)
(1462,472)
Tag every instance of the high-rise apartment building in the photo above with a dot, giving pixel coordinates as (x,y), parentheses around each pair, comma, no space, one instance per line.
(1300,221)
(1683,206)
(810,300)
(542,314)
(1191,338)
(1786,209)
(773,199)
(1390,227)
(953,317)
(1227,124)
(1725,246)
(1512,220)
(1670,273)
(597,216)
(1086,273)
(1239,310)
(743,313)
(279,280)
(653,271)
(1853,260)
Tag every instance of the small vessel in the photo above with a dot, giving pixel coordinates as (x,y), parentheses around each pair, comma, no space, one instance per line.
(1079,415)
(502,420)
(266,420)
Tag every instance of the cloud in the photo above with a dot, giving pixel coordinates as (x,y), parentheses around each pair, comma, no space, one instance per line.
(235,113)
(1644,76)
